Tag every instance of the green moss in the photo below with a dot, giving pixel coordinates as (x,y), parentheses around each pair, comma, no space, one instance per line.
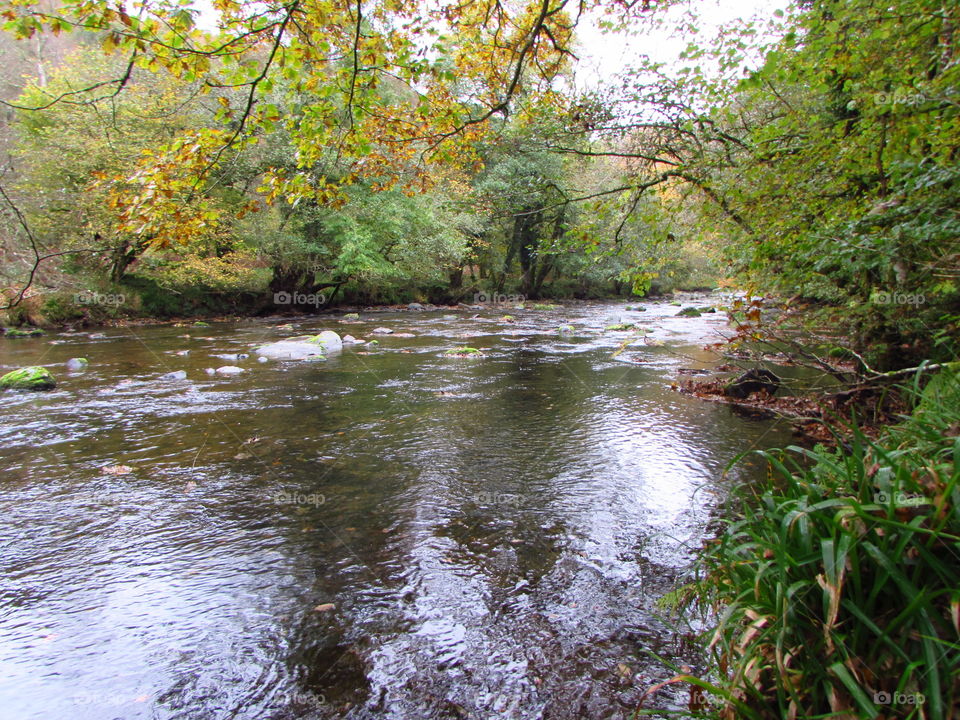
(689,312)
(201,323)
(620,327)
(545,306)
(28,378)
(352,316)
(21,333)
(463,352)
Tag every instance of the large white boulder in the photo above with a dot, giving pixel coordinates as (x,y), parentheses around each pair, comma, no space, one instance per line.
(302,347)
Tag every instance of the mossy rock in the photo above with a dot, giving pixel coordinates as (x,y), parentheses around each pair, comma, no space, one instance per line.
(566,329)
(352,316)
(508,318)
(28,378)
(707,309)
(689,312)
(620,327)
(676,304)
(201,323)
(545,306)
(463,352)
(21,333)
(839,353)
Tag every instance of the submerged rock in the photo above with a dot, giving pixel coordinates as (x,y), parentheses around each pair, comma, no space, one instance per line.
(77,364)
(175,375)
(21,333)
(754,380)
(566,329)
(28,378)
(463,352)
(689,312)
(229,370)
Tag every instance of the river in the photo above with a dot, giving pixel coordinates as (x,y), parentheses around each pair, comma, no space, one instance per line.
(493,532)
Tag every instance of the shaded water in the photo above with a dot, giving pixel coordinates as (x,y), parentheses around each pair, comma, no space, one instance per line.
(494,532)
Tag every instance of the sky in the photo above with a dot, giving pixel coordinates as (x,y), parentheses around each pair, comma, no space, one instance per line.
(603,55)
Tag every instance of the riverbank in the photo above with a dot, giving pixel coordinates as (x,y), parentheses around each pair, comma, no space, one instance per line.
(833,588)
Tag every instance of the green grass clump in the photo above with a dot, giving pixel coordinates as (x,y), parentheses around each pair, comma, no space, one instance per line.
(463,352)
(838,586)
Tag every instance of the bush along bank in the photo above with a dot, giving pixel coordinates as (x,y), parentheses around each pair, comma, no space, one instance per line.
(834,589)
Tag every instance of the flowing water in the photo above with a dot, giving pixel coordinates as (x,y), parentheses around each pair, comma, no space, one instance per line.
(493,532)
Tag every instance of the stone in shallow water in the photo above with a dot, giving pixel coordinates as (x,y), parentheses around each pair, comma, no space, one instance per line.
(328,340)
(77,364)
(302,347)
(175,375)
(28,378)
(229,370)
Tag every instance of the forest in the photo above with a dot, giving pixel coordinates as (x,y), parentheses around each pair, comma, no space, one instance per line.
(180,162)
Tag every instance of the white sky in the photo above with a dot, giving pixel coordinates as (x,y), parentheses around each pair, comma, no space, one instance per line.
(604,54)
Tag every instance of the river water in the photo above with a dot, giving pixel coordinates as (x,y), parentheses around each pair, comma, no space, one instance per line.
(493,532)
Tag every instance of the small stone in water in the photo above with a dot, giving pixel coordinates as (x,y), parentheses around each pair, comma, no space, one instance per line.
(116,470)
(325,607)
